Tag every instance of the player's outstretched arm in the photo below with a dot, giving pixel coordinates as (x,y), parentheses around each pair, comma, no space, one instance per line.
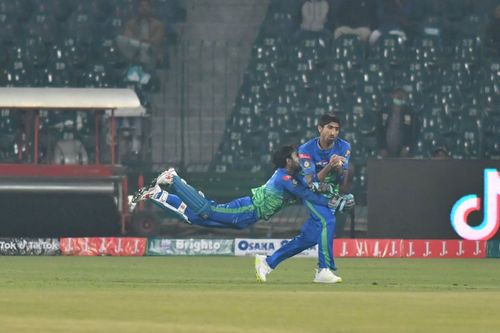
(301,191)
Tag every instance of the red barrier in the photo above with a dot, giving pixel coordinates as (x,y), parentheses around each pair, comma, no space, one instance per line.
(367,248)
(417,248)
(443,248)
(103,246)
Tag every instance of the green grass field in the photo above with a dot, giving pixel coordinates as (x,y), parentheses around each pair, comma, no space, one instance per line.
(219,294)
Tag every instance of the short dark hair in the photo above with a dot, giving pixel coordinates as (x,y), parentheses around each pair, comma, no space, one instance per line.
(280,155)
(440,151)
(328,118)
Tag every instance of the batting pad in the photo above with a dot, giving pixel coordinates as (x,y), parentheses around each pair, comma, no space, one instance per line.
(191,197)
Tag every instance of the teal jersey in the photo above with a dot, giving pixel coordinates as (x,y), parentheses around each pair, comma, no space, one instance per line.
(279,191)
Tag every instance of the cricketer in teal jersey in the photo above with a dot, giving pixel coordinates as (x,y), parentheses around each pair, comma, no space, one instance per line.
(323,159)
(281,190)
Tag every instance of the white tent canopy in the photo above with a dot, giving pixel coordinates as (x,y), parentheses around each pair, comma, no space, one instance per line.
(71,98)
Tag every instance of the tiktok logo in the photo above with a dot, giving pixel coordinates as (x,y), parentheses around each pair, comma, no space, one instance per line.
(469,203)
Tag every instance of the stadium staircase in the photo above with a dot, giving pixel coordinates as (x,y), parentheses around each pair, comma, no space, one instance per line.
(195,98)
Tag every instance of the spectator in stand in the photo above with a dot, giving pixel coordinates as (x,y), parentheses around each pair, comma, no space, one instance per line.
(314,14)
(144,37)
(394,19)
(357,17)
(69,149)
(397,127)
(283,17)
(440,153)
(492,39)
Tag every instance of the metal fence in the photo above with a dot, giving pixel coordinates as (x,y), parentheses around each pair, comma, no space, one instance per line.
(196,96)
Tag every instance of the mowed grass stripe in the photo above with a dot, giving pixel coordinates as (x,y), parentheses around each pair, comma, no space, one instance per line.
(219,294)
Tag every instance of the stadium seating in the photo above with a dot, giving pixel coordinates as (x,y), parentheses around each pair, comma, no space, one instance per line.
(458,72)
(468,49)
(9,126)
(389,49)
(311,46)
(427,49)
(269,49)
(349,49)
(452,87)
(293,76)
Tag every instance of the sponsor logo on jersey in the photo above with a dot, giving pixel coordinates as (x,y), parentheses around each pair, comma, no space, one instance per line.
(307,164)
(287,177)
(163,196)
(307,156)
(182,208)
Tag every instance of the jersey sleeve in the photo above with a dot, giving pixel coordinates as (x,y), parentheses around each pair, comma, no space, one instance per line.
(295,187)
(306,162)
(346,155)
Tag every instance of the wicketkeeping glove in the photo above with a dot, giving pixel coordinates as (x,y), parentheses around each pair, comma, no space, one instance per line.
(342,203)
(349,203)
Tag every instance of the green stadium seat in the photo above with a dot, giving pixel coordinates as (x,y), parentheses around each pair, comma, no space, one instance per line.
(349,49)
(491,147)
(42,23)
(10,123)
(473,24)
(107,53)
(263,73)
(268,48)
(10,28)
(468,49)
(18,74)
(325,98)
(390,49)
(416,77)
(450,96)
(488,73)
(429,139)
(252,94)
(469,131)
(280,24)
(488,95)
(313,46)
(426,49)
(81,22)
(458,72)
(491,128)
(341,74)
(35,51)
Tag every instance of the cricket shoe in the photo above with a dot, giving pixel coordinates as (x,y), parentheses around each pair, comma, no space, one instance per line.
(145,193)
(166,178)
(324,275)
(262,269)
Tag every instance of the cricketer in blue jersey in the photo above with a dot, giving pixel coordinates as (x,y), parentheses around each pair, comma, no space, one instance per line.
(281,190)
(323,159)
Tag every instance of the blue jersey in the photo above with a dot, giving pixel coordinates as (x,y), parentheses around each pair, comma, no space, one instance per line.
(313,159)
(281,190)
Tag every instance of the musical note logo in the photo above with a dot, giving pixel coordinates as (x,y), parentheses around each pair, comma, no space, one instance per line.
(471,202)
